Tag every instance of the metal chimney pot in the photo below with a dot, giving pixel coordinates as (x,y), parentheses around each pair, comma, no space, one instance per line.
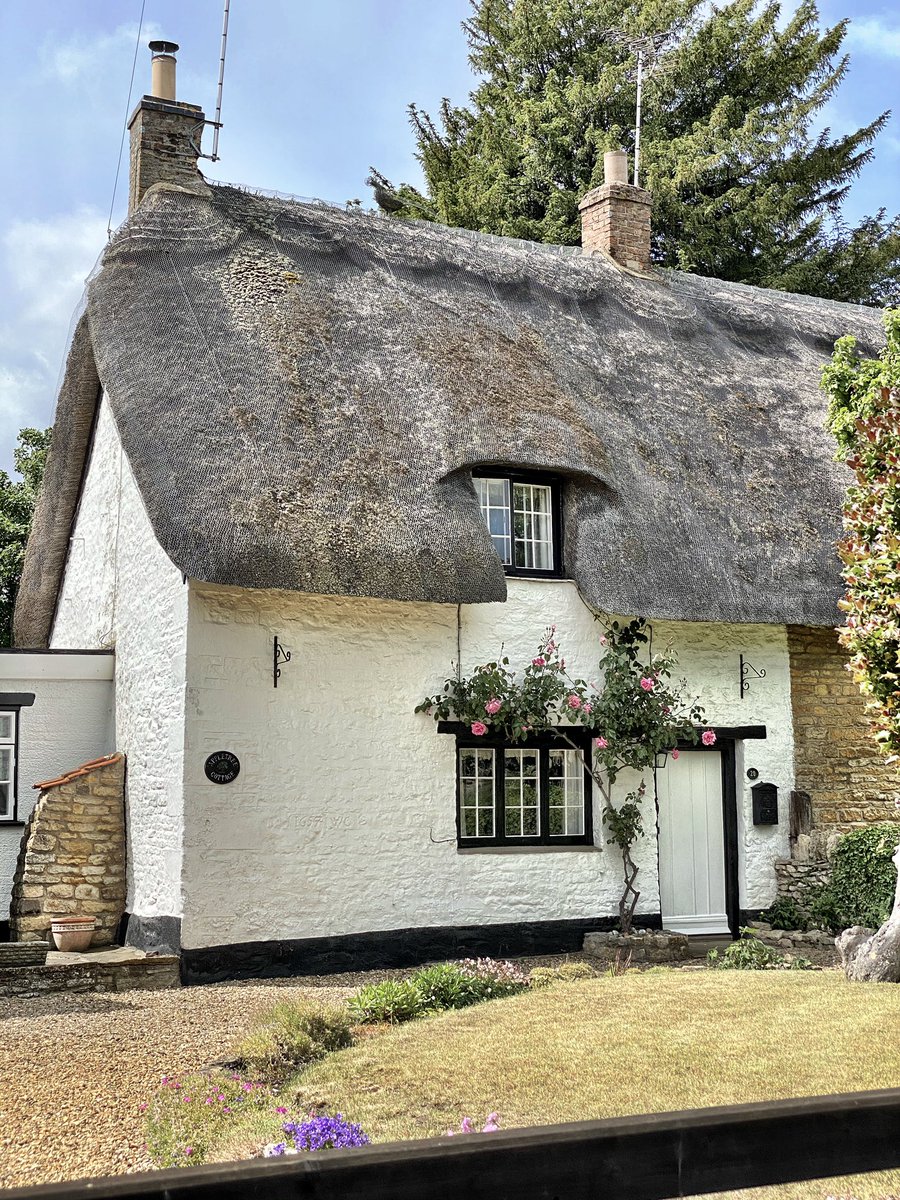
(162,70)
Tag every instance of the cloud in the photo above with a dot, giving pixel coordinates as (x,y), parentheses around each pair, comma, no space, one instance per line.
(871,34)
(77,60)
(45,263)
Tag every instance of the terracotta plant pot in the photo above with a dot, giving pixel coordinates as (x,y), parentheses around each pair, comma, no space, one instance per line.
(73,933)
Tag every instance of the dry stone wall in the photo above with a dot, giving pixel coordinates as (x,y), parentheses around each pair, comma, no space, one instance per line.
(72,857)
(836,761)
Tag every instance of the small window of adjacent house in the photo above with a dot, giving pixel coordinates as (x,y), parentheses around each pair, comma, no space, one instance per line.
(523,795)
(522,516)
(7,766)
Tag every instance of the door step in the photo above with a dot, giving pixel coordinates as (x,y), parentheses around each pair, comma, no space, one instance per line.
(699,944)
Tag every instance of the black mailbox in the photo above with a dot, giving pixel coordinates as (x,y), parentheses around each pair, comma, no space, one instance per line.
(765,804)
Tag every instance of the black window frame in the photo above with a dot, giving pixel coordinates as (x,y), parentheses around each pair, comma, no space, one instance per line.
(547,479)
(14,702)
(466,740)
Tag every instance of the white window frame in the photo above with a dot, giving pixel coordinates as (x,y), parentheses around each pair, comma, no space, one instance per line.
(12,744)
(519,553)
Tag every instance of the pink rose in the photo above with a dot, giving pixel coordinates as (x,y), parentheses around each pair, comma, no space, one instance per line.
(480,729)
(586,708)
(708,738)
(492,706)
(675,753)
(537,662)
(647,683)
(603,639)
(574,701)
(601,743)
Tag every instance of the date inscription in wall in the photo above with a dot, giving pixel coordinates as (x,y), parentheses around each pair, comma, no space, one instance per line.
(222,767)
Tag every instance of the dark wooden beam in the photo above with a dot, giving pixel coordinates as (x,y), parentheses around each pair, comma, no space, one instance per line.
(650,1157)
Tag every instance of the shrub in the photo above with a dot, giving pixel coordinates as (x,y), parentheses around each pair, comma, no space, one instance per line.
(863,877)
(186,1116)
(492,979)
(571,972)
(824,910)
(785,913)
(540,977)
(291,1035)
(392,1000)
(447,985)
(748,954)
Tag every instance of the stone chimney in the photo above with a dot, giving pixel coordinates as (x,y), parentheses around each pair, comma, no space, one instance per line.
(615,217)
(165,132)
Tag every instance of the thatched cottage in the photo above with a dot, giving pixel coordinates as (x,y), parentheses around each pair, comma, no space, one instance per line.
(295,454)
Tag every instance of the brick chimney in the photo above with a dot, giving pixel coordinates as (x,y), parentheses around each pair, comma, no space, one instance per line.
(165,132)
(615,217)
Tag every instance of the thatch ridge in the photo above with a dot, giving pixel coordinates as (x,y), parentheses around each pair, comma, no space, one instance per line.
(302,391)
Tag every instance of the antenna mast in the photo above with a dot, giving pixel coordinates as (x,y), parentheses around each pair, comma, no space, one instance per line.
(637,120)
(217,124)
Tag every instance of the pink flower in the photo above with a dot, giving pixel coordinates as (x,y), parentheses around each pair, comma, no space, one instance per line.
(538,662)
(466,1125)
(574,701)
(586,708)
(493,706)
(647,683)
(603,639)
(189,1150)
(550,647)
(601,743)
(479,728)
(282,1111)
(491,1124)
(708,738)
(675,753)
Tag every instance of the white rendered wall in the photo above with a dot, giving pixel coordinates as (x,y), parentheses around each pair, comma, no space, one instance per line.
(121,591)
(70,722)
(342,819)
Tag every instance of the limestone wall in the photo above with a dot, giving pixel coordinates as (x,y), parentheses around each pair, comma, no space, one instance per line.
(836,761)
(72,857)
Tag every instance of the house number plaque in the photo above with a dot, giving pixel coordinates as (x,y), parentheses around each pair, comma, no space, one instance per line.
(222,767)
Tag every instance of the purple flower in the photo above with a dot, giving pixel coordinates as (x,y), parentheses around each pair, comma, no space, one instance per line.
(325,1133)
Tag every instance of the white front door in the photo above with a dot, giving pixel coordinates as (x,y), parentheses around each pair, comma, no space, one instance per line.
(692,843)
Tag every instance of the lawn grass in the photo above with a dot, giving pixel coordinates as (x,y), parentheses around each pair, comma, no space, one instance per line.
(641,1042)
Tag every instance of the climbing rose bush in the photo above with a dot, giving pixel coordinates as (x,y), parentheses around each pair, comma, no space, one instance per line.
(635,710)
(864,416)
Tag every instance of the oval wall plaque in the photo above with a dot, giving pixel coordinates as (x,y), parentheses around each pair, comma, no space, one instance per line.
(222,767)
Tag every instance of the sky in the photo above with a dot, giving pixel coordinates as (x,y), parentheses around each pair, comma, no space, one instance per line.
(315,93)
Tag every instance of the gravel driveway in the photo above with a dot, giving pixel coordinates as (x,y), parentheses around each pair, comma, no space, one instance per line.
(75,1069)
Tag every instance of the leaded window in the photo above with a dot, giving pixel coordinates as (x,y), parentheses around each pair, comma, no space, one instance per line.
(537,793)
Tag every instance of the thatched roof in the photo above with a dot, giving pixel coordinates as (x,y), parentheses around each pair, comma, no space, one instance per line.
(302,391)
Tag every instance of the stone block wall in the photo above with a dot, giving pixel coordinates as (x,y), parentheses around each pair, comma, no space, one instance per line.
(836,761)
(72,857)
(796,879)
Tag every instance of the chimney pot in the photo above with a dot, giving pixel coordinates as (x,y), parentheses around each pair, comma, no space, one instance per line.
(615,166)
(162,70)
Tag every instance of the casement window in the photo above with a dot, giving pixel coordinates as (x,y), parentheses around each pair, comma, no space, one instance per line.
(522,513)
(9,725)
(536,793)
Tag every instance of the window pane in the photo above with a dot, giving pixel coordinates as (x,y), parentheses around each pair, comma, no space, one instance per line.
(6,764)
(476,793)
(7,727)
(493,496)
(5,800)
(532,506)
(521,795)
(566,767)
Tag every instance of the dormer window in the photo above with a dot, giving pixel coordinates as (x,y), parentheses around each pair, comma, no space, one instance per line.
(521,511)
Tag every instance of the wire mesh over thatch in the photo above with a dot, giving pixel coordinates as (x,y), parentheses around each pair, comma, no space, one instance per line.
(302,393)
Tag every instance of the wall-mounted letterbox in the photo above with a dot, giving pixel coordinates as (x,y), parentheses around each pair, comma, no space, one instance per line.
(765,804)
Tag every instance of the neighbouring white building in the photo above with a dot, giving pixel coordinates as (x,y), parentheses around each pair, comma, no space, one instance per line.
(306,460)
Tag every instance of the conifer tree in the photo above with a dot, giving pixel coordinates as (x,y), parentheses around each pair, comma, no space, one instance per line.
(743,188)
